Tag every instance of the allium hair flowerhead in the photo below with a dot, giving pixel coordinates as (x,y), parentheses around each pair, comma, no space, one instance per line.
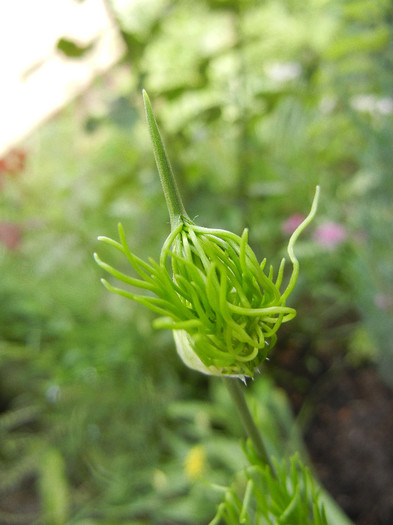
(208,287)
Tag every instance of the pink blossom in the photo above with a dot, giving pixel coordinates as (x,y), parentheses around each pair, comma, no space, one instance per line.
(330,235)
(13,162)
(10,235)
(383,301)
(290,225)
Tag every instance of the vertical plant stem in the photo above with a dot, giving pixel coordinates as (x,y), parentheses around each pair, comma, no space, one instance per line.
(237,395)
(172,195)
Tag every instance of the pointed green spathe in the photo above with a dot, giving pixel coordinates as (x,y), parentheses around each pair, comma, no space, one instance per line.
(168,181)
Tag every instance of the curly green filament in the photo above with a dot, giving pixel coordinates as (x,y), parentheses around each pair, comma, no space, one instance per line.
(292,241)
(172,195)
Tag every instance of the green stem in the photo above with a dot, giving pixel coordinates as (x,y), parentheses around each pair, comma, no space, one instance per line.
(237,395)
(172,195)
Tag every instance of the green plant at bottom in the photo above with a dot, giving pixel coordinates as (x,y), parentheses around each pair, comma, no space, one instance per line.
(225,310)
(288,497)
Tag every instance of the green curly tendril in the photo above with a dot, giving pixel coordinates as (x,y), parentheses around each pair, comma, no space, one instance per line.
(208,286)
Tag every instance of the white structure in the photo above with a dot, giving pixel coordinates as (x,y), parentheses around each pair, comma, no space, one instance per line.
(37,79)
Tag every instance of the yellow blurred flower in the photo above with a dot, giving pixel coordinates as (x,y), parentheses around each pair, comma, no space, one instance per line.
(195,462)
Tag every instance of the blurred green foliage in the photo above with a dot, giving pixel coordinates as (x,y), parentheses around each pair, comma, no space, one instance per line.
(258,103)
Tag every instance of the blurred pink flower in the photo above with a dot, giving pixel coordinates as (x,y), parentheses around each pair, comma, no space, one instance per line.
(10,235)
(290,225)
(383,301)
(13,162)
(330,235)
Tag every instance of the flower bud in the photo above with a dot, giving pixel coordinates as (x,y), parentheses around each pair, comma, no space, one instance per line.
(208,286)
(235,307)
(213,293)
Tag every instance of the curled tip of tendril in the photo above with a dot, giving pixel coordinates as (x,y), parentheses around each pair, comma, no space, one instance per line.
(209,288)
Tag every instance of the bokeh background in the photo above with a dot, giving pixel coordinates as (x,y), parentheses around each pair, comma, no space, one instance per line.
(258,101)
